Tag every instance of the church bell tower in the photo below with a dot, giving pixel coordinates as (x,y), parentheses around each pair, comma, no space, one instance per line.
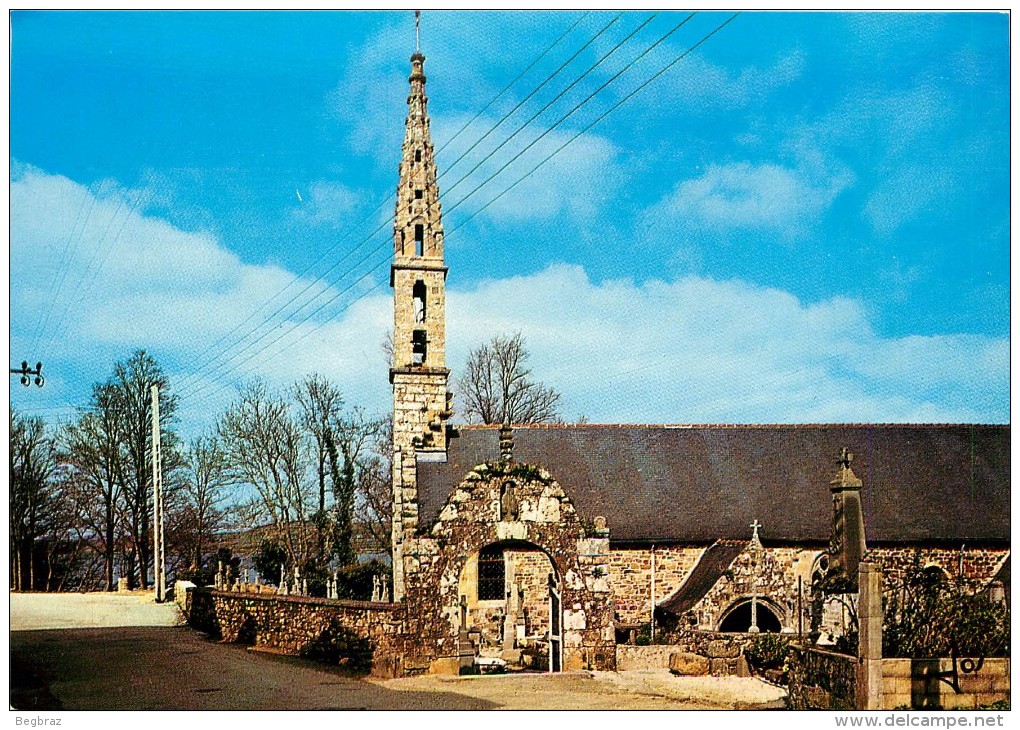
(421,402)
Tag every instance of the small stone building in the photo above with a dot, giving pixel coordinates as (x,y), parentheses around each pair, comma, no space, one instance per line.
(547,545)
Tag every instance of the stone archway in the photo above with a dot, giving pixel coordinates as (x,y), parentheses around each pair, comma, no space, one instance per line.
(738,617)
(504,595)
(506,503)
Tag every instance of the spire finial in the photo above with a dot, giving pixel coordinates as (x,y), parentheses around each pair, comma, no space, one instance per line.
(417,31)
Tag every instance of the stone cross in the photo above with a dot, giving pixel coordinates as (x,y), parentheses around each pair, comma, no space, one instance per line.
(385,597)
(755,526)
(845,457)
(376,589)
(753,628)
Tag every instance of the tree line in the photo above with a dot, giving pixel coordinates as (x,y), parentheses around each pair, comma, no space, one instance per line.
(302,468)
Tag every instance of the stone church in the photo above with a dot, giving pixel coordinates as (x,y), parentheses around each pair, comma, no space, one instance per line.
(547,545)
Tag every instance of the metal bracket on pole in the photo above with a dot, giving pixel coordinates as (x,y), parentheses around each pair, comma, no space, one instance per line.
(26,372)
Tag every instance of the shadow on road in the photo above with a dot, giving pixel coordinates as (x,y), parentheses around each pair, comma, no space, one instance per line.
(174,668)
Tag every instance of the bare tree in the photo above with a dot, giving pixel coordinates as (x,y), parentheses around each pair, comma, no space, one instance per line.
(204,489)
(31,495)
(374,506)
(321,407)
(497,387)
(340,438)
(132,382)
(92,459)
(264,447)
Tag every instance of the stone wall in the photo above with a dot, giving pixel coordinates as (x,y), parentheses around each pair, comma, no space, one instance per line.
(365,635)
(770,572)
(821,680)
(979,565)
(827,680)
(513,505)
(721,650)
(914,683)
(630,657)
(630,576)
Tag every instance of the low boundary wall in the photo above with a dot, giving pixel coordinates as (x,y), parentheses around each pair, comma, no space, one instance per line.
(916,683)
(362,635)
(825,680)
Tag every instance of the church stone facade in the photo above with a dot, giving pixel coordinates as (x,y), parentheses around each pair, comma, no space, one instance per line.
(546,545)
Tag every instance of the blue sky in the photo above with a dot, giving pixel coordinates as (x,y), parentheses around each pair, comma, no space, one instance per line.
(806,219)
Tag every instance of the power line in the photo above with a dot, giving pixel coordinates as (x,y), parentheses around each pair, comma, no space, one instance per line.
(66,256)
(572,111)
(267,320)
(549,104)
(63,265)
(106,251)
(198,370)
(506,88)
(202,389)
(206,389)
(598,119)
(576,107)
(524,101)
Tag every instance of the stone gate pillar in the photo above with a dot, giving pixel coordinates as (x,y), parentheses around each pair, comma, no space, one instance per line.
(869,646)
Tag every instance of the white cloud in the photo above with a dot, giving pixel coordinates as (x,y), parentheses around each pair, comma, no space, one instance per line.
(578,181)
(131,281)
(741,195)
(323,203)
(701,350)
(907,195)
(691,350)
(699,82)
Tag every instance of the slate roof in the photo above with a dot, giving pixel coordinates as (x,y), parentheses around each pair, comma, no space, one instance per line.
(697,484)
(714,561)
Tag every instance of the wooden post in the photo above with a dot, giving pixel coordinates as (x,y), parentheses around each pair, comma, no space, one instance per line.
(158,558)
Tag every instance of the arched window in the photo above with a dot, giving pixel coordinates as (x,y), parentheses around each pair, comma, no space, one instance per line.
(419,345)
(418,295)
(739,619)
(419,239)
(491,574)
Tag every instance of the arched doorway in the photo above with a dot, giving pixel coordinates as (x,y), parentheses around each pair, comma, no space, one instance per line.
(510,605)
(738,619)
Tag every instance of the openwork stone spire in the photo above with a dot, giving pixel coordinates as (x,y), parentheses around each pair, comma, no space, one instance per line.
(418,226)
(421,403)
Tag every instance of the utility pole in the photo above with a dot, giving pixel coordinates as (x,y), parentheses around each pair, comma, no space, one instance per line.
(158,557)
